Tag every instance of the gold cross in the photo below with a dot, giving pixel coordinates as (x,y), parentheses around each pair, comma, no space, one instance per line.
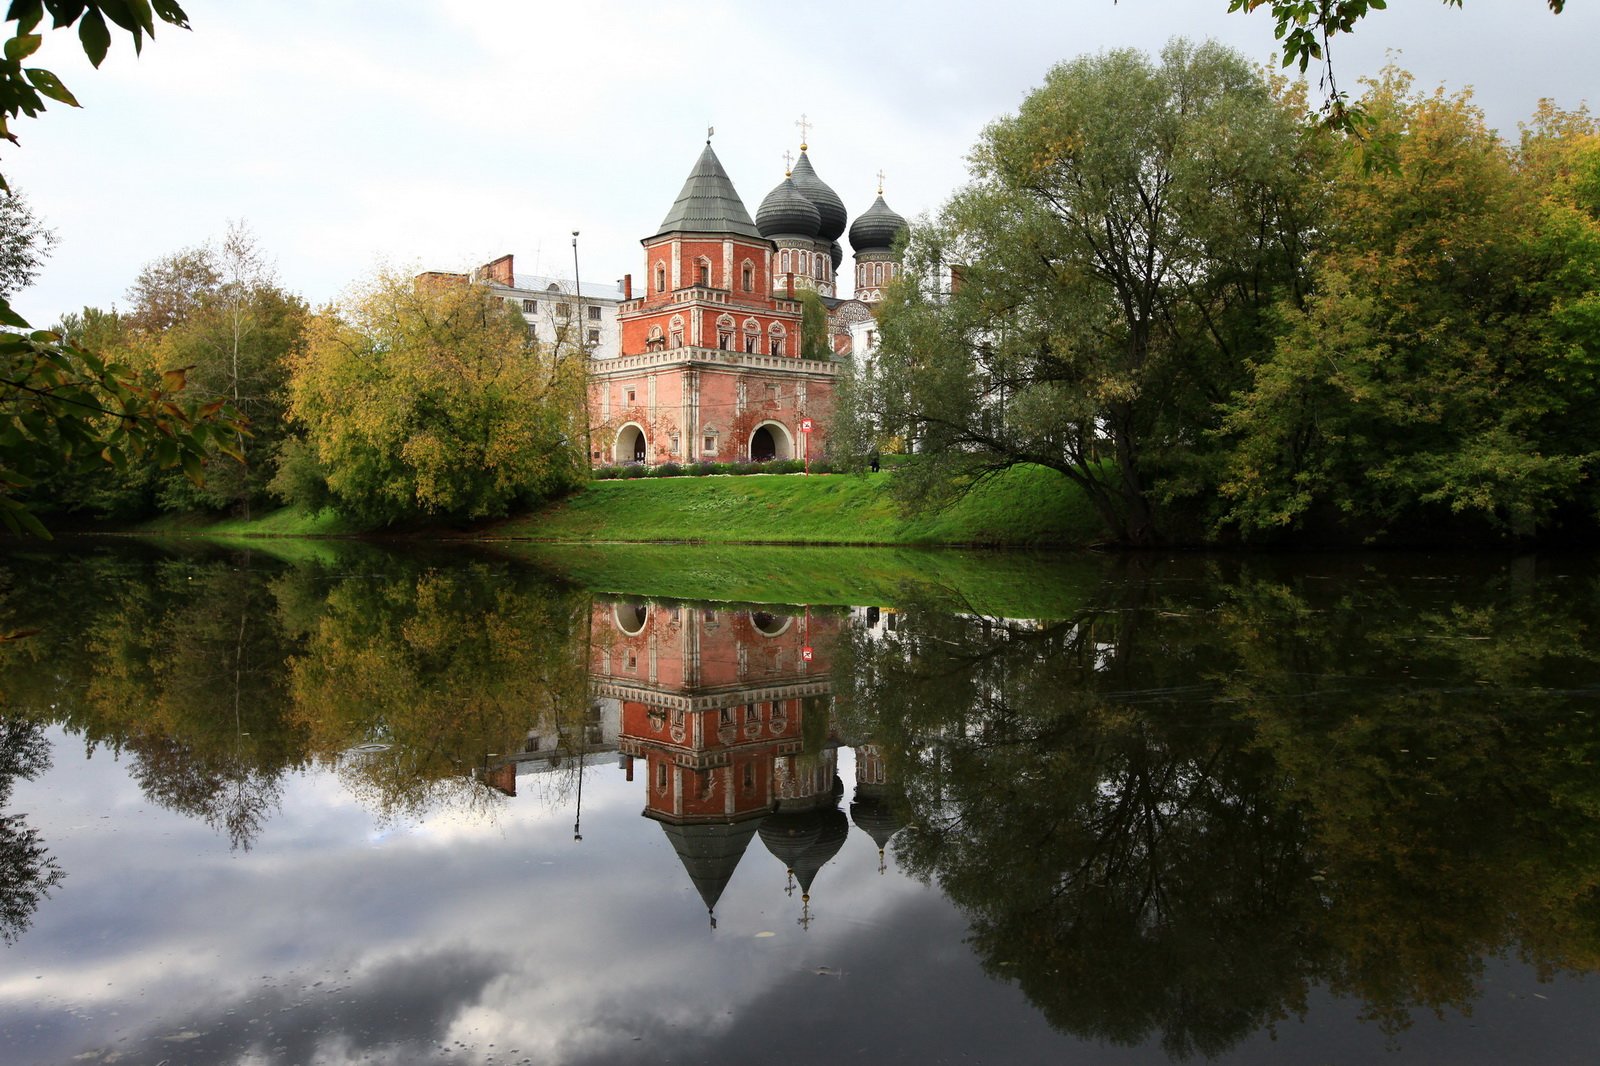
(805,129)
(880,182)
(788,163)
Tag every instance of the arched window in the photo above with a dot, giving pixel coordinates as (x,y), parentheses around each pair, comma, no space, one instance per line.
(752,334)
(677,331)
(725,333)
(656,341)
(776,337)
(661,277)
(783,261)
(702,270)
(748,276)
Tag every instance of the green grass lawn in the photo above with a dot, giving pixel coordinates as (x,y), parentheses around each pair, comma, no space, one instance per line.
(1026,506)
(1011,584)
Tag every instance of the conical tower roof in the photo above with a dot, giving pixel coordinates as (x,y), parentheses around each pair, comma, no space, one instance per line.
(829,206)
(708,203)
(710,853)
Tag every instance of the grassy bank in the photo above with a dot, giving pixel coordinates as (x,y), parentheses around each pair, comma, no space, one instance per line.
(1027,506)
(1009,584)
(1024,507)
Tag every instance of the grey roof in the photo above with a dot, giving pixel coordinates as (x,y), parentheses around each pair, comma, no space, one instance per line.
(829,206)
(876,228)
(710,853)
(599,290)
(787,213)
(708,203)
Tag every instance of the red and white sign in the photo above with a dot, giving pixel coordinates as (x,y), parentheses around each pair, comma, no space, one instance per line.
(805,653)
(805,425)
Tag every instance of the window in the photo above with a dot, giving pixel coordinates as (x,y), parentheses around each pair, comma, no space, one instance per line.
(772,394)
(709,445)
(594,336)
(661,777)
(530,306)
(702,271)
(594,314)
(563,311)
(661,278)
(632,396)
(674,444)
(749,276)
(749,777)
(783,262)
(725,716)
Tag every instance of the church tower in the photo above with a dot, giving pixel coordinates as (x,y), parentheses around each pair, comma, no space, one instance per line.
(710,366)
(873,237)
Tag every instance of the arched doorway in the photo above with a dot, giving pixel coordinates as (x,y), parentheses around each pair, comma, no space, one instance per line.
(631,446)
(770,441)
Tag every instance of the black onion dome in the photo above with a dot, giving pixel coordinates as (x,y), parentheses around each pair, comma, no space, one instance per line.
(876,229)
(787,213)
(836,253)
(829,206)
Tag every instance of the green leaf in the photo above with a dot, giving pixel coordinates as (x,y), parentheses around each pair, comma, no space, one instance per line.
(50,85)
(64,12)
(26,14)
(169,12)
(95,37)
(9,317)
(22,46)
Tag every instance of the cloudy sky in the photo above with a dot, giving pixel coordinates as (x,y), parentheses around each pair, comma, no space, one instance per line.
(439,136)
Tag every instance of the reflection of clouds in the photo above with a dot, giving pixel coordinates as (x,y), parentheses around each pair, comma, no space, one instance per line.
(562,950)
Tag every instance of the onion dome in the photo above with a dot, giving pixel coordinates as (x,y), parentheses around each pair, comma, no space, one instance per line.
(836,253)
(876,228)
(708,203)
(829,206)
(787,213)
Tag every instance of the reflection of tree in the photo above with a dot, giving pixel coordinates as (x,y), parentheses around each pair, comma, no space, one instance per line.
(27,870)
(178,663)
(443,668)
(1177,812)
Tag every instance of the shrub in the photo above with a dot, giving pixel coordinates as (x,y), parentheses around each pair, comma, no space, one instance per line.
(723,468)
(745,467)
(701,469)
(822,466)
(635,470)
(668,470)
(607,473)
(785,466)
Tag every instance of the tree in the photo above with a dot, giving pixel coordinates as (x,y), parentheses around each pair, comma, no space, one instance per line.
(1447,366)
(1307,29)
(434,401)
(25,243)
(62,407)
(814,339)
(229,321)
(1102,281)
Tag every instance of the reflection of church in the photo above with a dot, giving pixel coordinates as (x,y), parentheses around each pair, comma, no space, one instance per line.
(731,714)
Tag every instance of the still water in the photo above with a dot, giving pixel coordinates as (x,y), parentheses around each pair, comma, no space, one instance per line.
(355,806)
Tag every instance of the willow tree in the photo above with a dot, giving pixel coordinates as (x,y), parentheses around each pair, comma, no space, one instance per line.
(435,401)
(1085,301)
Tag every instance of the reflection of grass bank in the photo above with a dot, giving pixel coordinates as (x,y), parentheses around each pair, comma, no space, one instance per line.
(1024,506)
(1002,583)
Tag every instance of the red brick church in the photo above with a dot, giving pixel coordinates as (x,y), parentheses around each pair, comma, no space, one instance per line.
(710,365)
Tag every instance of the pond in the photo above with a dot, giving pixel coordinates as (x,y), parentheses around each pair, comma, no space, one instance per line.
(334,804)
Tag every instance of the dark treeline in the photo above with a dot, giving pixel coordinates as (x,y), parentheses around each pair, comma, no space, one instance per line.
(1228,321)
(1216,787)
